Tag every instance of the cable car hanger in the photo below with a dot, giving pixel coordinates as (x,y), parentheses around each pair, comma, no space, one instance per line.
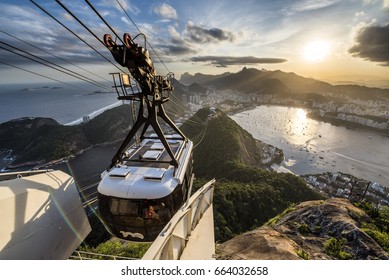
(154,92)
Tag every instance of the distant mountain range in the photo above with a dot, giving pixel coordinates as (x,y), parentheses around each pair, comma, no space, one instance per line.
(188,79)
(251,80)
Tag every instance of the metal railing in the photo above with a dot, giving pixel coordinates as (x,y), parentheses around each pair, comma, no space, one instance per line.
(82,255)
(172,241)
(19,174)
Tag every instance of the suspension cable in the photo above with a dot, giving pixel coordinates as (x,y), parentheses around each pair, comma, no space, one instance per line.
(107,24)
(64,69)
(38,74)
(68,29)
(101,17)
(202,138)
(56,56)
(186,107)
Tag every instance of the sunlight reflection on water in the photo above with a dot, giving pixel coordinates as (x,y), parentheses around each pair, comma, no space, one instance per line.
(312,146)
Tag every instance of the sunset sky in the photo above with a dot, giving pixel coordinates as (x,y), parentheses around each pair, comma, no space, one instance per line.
(331,40)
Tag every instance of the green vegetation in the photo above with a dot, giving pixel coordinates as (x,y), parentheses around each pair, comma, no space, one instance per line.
(382,238)
(378,228)
(116,247)
(245,196)
(274,221)
(226,151)
(304,229)
(380,217)
(302,254)
(59,142)
(19,134)
(334,248)
(43,140)
(111,125)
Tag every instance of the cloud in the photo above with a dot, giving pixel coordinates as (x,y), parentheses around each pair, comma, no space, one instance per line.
(367,2)
(165,11)
(177,46)
(26,28)
(125,4)
(372,43)
(179,49)
(310,5)
(173,32)
(359,14)
(386,5)
(224,61)
(190,41)
(198,34)
(128,6)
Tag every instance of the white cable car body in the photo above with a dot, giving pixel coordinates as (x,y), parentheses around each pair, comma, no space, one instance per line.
(148,181)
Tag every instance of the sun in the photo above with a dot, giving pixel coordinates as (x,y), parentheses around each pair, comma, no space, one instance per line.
(316,51)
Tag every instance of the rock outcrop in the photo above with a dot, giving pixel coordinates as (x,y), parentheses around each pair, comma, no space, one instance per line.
(310,230)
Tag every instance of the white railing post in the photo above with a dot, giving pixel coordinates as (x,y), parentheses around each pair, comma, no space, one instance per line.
(173,239)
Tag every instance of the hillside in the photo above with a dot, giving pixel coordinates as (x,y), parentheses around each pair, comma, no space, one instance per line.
(197,88)
(330,229)
(225,146)
(39,140)
(246,194)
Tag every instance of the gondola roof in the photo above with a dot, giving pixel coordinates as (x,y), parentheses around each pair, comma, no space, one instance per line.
(145,173)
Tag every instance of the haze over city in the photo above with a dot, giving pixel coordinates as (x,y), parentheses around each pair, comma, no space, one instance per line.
(331,40)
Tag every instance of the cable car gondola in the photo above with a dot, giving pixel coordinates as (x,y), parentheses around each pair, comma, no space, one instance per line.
(138,196)
(148,181)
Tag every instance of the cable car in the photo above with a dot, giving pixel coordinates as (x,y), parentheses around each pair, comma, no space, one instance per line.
(138,196)
(148,181)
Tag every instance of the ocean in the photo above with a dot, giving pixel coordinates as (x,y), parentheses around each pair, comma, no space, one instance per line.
(63,103)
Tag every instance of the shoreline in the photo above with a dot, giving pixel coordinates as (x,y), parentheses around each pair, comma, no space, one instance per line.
(65,113)
(311,114)
(7,165)
(94,114)
(347,124)
(44,165)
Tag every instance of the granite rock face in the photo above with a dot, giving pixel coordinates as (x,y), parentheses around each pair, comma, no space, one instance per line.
(305,232)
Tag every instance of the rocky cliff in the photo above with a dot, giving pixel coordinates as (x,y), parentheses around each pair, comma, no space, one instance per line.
(319,230)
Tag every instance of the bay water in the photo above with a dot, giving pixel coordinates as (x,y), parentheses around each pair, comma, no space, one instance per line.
(312,146)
